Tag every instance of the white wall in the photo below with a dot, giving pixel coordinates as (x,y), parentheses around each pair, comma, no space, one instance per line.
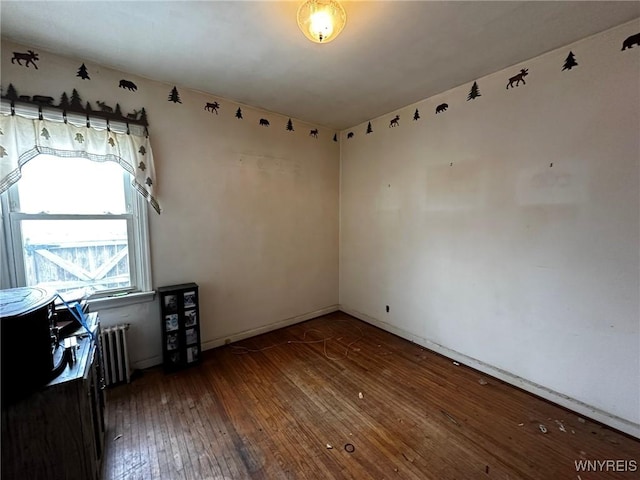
(250,213)
(486,252)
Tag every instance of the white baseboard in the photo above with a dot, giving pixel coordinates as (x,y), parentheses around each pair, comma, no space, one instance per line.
(577,406)
(218,342)
(147,363)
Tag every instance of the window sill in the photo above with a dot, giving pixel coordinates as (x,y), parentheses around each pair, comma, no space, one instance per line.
(122,300)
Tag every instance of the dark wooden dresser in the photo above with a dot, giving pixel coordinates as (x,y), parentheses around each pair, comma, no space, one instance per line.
(57,432)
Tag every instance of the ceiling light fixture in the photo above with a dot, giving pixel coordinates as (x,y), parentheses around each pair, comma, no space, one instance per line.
(321,20)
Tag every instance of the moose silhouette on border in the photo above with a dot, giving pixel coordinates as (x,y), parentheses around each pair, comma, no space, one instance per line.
(30,57)
(104,107)
(212,107)
(518,78)
(133,115)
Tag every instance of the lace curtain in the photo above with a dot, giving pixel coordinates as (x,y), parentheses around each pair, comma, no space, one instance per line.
(22,139)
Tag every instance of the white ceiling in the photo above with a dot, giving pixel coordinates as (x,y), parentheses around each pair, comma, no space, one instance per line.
(390,54)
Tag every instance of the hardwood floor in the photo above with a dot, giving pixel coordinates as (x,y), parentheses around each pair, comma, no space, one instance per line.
(290,403)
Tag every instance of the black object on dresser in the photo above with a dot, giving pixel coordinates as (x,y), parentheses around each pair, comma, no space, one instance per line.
(180,320)
(28,343)
(57,431)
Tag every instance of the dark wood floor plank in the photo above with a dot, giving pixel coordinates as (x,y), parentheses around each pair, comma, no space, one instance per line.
(209,428)
(184,429)
(336,411)
(149,442)
(277,407)
(383,419)
(261,425)
(127,442)
(168,414)
(199,407)
(116,413)
(269,406)
(157,404)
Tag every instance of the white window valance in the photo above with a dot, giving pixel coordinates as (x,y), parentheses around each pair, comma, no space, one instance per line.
(22,139)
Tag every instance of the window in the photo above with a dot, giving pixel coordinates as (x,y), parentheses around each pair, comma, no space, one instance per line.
(72,222)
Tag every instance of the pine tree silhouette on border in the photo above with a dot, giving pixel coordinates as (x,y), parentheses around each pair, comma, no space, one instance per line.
(76,101)
(82,73)
(416,115)
(474,92)
(64,101)
(289,126)
(335,137)
(174,96)
(369,129)
(143,117)
(12,94)
(239,113)
(569,62)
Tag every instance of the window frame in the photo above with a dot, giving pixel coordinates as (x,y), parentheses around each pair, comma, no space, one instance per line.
(137,232)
